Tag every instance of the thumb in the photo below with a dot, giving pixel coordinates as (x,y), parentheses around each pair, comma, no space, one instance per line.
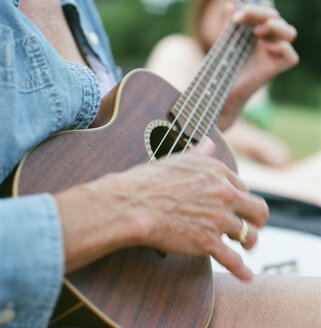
(206,147)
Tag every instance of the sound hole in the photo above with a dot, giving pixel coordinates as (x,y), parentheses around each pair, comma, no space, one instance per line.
(165,146)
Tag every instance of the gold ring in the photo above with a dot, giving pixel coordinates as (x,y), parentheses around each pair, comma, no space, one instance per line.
(244,231)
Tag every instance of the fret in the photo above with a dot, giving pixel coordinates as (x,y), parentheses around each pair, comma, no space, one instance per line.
(208,86)
(199,106)
(190,98)
(229,85)
(211,86)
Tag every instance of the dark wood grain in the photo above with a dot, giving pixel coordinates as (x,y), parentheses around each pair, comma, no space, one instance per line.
(133,287)
(77,157)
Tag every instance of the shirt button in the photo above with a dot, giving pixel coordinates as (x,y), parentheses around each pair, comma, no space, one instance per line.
(93,38)
(7,314)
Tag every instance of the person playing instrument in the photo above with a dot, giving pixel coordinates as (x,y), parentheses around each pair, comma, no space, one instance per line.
(177,58)
(182,204)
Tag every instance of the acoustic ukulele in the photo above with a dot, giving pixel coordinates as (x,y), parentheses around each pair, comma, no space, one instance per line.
(137,287)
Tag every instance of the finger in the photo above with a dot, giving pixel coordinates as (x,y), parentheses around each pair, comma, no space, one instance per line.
(206,147)
(285,51)
(229,179)
(232,261)
(214,166)
(234,179)
(276,28)
(254,14)
(234,229)
(251,207)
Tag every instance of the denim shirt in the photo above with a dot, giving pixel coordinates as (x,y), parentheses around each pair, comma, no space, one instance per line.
(40,93)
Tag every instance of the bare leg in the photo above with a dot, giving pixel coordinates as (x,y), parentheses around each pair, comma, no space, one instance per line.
(268,302)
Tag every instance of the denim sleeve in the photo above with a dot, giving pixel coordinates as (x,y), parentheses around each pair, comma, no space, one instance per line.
(39,92)
(31,264)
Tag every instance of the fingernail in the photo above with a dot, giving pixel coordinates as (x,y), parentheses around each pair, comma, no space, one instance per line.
(237,17)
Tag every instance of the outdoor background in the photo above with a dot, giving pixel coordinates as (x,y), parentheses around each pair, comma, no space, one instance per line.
(135,26)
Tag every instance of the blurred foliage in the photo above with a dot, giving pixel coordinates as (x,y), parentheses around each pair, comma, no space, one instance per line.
(302,84)
(299,127)
(133,32)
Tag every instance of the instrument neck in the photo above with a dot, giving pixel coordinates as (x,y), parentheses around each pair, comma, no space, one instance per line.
(199,106)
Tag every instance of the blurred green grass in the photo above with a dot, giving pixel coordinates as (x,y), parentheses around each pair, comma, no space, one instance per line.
(299,127)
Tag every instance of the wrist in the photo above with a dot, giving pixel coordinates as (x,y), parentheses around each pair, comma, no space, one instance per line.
(240,94)
(94,221)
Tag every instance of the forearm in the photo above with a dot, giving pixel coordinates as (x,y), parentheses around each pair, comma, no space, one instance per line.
(93,224)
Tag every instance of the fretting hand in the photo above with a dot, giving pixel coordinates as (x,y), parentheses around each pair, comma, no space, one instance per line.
(272,54)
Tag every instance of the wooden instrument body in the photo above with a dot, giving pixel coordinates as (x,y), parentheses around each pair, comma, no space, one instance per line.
(132,287)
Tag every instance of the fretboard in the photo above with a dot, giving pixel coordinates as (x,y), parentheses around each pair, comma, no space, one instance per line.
(199,106)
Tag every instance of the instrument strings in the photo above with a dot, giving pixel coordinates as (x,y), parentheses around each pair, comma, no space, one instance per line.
(197,80)
(235,38)
(242,59)
(243,35)
(238,60)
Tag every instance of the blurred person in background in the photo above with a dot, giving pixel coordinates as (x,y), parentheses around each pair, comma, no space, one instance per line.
(178,57)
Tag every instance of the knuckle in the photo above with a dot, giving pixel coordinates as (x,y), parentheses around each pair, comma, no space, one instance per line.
(202,177)
(228,193)
(221,219)
(143,229)
(209,244)
(213,243)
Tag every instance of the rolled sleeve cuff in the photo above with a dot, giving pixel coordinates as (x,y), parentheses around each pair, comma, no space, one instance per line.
(31,253)
(91,96)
